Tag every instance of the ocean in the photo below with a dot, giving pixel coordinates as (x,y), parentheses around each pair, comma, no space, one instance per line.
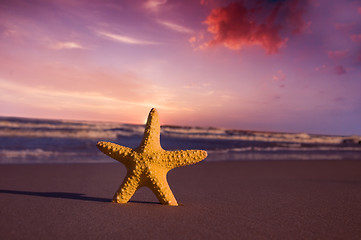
(27,140)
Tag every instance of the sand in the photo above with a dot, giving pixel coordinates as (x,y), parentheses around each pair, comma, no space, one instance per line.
(221,200)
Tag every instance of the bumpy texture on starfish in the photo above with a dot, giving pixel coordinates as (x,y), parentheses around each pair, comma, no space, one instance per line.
(148,165)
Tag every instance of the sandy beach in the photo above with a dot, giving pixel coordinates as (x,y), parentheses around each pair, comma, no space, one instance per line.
(228,200)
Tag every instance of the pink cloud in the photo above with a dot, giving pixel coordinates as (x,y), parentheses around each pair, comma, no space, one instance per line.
(337,55)
(233,28)
(280,76)
(154,5)
(204,2)
(175,27)
(295,16)
(356,37)
(68,77)
(345,26)
(66,45)
(236,26)
(321,68)
(359,10)
(339,70)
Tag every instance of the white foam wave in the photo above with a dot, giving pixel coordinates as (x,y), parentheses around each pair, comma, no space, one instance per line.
(107,130)
(8,154)
(288,149)
(62,134)
(259,156)
(67,129)
(44,156)
(264,137)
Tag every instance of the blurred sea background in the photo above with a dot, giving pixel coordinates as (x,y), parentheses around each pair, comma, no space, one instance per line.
(27,140)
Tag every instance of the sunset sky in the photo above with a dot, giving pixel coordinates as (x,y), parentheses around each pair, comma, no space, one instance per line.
(267,65)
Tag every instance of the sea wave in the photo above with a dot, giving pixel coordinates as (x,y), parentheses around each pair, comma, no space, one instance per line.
(16,127)
(25,140)
(47,156)
(289,149)
(19,127)
(247,154)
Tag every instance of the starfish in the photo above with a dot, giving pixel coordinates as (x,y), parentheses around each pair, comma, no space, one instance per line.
(148,164)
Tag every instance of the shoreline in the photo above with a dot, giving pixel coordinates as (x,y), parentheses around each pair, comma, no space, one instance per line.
(234,199)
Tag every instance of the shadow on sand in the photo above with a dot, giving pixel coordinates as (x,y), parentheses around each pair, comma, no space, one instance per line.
(66,195)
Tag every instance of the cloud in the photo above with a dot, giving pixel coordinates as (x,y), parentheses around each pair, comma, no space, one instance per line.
(280,76)
(175,27)
(125,39)
(359,10)
(8,32)
(339,70)
(337,55)
(294,15)
(197,42)
(62,85)
(347,27)
(154,5)
(233,27)
(321,68)
(192,39)
(356,38)
(237,26)
(65,103)
(204,2)
(66,45)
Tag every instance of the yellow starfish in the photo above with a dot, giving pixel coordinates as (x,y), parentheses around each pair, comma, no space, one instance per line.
(149,164)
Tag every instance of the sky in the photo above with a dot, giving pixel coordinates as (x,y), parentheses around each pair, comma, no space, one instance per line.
(264,65)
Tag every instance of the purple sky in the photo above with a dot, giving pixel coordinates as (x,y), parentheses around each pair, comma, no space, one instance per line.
(290,66)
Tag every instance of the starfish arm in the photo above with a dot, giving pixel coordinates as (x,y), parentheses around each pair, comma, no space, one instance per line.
(151,138)
(181,158)
(160,187)
(127,189)
(118,152)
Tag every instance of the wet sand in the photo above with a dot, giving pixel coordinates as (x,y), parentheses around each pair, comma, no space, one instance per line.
(220,200)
